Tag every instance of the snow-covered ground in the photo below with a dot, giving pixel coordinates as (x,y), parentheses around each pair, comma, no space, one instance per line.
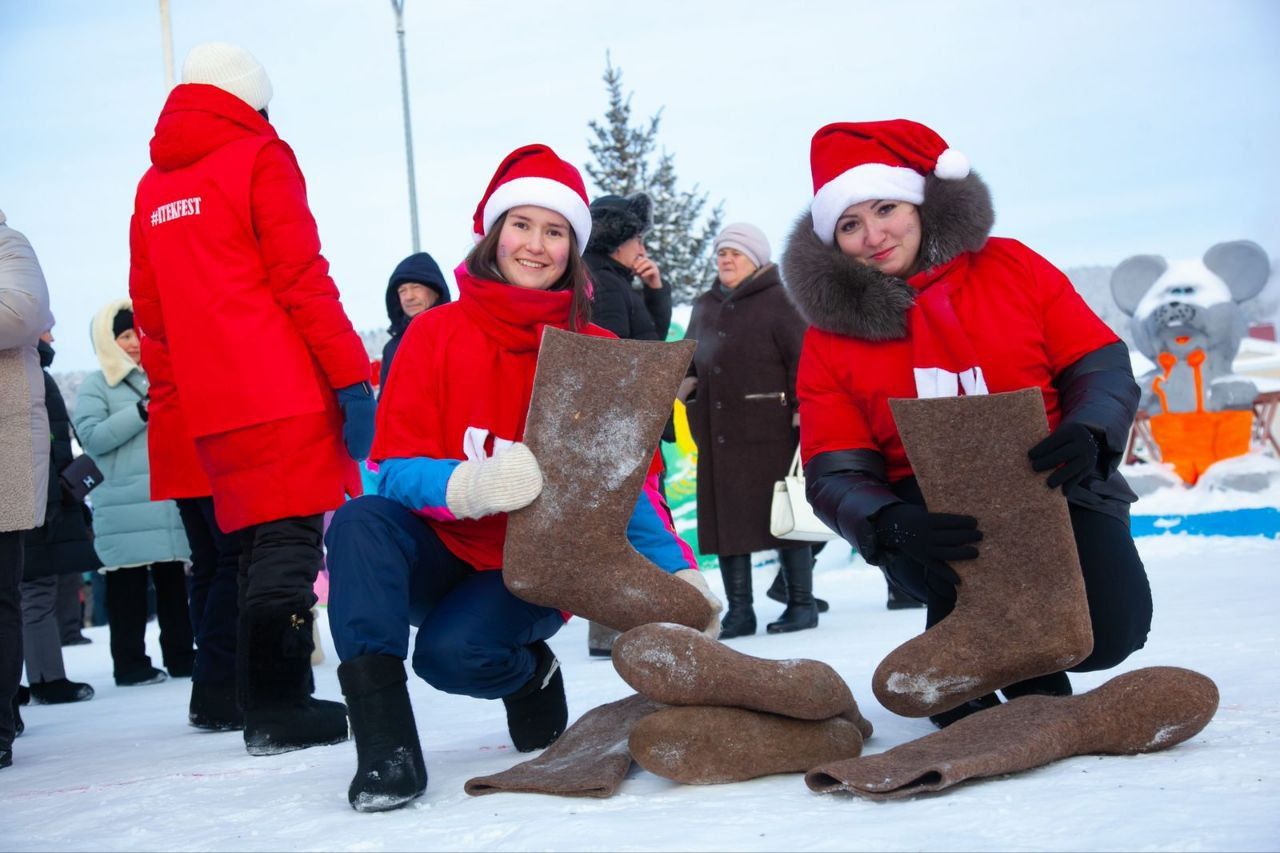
(125,772)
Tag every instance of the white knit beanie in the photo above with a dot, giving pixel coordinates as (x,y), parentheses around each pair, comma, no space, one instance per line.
(230,68)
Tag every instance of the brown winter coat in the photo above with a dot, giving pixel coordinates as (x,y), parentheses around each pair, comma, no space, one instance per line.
(740,416)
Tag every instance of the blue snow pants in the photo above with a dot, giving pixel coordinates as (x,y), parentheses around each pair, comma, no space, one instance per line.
(388,570)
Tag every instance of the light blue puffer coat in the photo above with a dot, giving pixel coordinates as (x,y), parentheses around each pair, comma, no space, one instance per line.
(129,528)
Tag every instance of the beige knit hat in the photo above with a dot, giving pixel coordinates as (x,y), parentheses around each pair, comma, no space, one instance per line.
(230,68)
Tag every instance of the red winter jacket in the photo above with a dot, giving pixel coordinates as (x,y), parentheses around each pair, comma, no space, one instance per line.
(241,320)
(1025,321)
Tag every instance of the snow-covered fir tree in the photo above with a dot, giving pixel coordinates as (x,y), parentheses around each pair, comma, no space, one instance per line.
(627,160)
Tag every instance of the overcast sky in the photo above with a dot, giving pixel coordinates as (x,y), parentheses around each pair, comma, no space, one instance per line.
(1105,127)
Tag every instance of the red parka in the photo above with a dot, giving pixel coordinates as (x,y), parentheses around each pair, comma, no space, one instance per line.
(245,335)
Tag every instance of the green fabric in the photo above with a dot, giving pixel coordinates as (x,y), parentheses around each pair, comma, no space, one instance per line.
(129,528)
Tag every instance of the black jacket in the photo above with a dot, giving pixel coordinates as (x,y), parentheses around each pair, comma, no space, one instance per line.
(422,269)
(642,314)
(62,544)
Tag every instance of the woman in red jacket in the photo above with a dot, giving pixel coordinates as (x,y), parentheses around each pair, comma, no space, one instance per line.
(224,250)
(427,550)
(909,297)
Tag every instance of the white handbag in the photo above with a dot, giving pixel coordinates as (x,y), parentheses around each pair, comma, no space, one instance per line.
(790,516)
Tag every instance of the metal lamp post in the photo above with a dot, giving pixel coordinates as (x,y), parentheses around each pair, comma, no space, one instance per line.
(398,7)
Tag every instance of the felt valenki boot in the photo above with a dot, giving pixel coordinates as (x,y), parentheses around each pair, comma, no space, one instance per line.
(595,416)
(702,745)
(1145,710)
(390,770)
(274,671)
(740,619)
(802,611)
(1020,608)
(676,665)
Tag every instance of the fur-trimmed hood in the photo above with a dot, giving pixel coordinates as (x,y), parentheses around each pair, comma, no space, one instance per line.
(115,364)
(840,295)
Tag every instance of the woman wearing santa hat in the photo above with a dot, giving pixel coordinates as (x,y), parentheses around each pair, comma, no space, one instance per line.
(427,550)
(908,295)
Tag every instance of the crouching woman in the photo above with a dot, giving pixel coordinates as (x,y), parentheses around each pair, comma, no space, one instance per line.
(427,550)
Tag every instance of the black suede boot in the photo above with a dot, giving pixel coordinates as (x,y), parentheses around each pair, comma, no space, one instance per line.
(58,691)
(778,591)
(537,713)
(214,707)
(390,770)
(973,706)
(740,619)
(802,610)
(275,673)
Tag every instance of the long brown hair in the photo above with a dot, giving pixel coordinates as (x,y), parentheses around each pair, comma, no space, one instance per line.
(482,262)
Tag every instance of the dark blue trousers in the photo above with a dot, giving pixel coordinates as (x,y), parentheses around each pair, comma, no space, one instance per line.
(215,560)
(388,570)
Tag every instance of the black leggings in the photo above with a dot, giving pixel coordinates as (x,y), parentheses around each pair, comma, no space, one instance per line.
(1114,579)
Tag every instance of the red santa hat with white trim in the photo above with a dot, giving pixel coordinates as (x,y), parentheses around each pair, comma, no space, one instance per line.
(853,162)
(535,175)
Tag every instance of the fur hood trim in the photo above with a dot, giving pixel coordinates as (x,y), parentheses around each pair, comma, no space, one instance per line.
(840,295)
(115,364)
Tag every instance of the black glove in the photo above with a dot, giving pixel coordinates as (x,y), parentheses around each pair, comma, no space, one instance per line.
(1072,446)
(929,538)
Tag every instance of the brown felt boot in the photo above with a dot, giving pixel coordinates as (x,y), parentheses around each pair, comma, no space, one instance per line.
(589,760)
(597,411)
(1146,710)
(1020,608)
(680,666)
(699,745)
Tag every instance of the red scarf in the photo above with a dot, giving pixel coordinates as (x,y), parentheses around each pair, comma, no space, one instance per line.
(942,356)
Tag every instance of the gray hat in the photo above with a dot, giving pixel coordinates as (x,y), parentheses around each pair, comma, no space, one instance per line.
(747,239)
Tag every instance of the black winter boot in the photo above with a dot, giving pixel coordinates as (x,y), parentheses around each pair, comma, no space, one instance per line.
(214,707)
(1053,684)
(537,713)
(802,610)
(275,674)
(973,706)
(390,770)
(740,619)
(58,691)
(778,590)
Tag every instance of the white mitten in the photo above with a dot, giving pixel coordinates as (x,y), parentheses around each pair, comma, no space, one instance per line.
(694,578)
(503,482)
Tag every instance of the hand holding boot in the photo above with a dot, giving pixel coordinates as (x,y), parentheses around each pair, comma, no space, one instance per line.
(932,539)
(503,482)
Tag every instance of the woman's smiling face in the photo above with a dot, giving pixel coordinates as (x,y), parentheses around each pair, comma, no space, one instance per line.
(533,247)
(881,233)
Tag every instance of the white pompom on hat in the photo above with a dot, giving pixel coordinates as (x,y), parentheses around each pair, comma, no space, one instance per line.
(853,162)
(230,68)
(534,174)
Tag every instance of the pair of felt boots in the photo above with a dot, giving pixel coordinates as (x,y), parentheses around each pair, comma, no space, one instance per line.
(390,770)
(794,585)
(272,700)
